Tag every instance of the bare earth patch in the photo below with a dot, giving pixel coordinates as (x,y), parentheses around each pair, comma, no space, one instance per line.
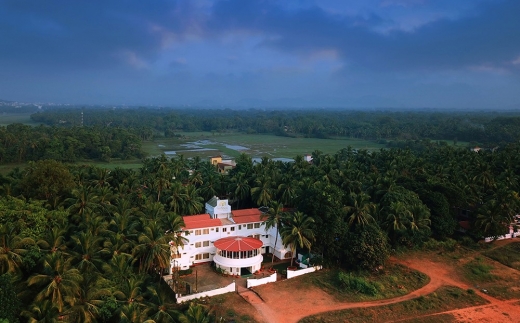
(292,300)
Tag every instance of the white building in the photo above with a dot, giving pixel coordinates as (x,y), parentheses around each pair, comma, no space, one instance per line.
(234,240)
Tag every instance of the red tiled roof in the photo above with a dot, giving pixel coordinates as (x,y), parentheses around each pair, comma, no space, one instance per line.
(247,216)
(200,221)
(238,244)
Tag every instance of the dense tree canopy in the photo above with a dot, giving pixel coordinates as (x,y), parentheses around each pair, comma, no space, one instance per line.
(93,240)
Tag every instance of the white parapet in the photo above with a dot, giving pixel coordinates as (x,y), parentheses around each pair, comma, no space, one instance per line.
(228,289)
(295,273)
(261,281)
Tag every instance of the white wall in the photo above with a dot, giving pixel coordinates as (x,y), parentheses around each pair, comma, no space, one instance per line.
(228,289)
(188,251)
(261,281)
(295,273)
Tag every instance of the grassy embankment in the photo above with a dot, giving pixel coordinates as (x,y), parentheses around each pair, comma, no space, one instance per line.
(444,299)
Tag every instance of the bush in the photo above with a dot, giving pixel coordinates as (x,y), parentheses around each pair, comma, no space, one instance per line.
(480,271)
(358,284)
(434,245)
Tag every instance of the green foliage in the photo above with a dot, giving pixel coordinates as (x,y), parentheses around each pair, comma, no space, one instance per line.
(47,180)
(9,302)
(478,271)
(30,218)
(358,284)
(436,245)
(508,255)
(366,248)
(108,307)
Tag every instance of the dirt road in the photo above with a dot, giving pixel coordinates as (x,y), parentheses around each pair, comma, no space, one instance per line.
(279,305)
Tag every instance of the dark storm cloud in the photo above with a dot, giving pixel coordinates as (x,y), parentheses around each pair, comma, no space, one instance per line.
(490,37)
(85,33)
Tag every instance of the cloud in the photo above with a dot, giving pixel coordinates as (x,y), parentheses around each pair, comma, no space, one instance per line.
(89,33)
(487,38)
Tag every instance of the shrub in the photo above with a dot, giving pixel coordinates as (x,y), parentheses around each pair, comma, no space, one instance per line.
(358,284)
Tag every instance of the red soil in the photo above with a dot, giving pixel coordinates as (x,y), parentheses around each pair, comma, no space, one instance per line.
(278,303)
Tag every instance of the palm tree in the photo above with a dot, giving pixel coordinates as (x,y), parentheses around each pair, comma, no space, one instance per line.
(262,193)
(42,312)
(130,294)
(12,248)
(88,253)
(196,313)
(152,251)
(176,197)
(58,282)
(91,298)
(193,203)
(298,231)
(273,219)
(287,190)
(240,187)
(160,309)
(53,240)
(360,210)
(83,203)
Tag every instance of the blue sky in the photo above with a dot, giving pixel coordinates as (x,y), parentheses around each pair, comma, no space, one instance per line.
(372,53)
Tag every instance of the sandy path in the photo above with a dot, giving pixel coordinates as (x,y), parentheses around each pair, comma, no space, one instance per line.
(285,305)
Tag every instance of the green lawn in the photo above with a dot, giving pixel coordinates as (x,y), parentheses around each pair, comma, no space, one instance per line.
(25,118)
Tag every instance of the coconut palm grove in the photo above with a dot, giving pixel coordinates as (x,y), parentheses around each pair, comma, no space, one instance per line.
(83,243)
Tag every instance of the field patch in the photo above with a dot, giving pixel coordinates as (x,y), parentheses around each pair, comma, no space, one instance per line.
(396,280)
(443,299)
(205,144)
(24,118)
(508,255)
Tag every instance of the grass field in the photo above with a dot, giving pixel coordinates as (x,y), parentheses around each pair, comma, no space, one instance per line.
(508,255)
(444,299)
(499,280)
(396,280)
(25,118)
(255,145)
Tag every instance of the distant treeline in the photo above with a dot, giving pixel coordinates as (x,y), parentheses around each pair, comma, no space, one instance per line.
(20,143)
(483,127)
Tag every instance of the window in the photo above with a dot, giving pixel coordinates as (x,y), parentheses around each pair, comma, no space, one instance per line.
(198,244)
(201,256)
(232,228)
(239,227)
(257,225)
(197,232)
(256,236)
(250,226)
(205,244)
(216,229)
(224,229)
(205,231)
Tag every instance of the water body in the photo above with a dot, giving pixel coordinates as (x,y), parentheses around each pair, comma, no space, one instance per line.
(175,152)
(236,147)
(282,159)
